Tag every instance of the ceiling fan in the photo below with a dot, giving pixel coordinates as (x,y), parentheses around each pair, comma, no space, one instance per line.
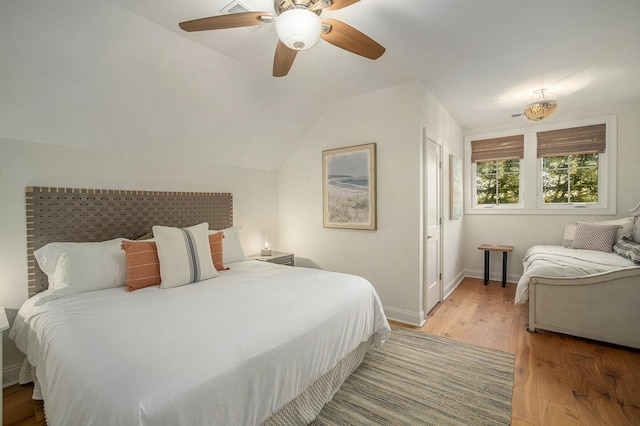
(299,27)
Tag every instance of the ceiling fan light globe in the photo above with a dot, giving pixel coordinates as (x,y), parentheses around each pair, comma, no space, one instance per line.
(299,29)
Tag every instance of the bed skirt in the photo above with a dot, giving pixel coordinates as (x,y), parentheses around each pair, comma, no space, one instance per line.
(300,411)
(305,407)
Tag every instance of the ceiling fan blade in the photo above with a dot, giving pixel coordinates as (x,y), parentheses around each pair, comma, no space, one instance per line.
(283,60)
(221,22)
(339,4)
(348,38)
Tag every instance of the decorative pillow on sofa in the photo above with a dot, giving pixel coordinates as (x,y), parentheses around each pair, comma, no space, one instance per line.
(629,249)
(626,229)
(79,267)
(595,236)
(143,265)
(184,254)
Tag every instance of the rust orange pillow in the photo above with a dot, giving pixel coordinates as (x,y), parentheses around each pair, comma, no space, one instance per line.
(215,241)
(143,265)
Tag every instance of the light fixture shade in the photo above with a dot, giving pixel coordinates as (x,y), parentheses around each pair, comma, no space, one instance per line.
(541,109)
(299,29)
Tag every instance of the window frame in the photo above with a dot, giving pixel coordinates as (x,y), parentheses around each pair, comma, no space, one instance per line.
(531,197)
(474,196)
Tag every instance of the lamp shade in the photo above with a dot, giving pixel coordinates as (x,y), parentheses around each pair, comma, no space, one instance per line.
(542,108)
(299,29)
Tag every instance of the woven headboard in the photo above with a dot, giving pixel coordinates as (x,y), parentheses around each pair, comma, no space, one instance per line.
(81,215)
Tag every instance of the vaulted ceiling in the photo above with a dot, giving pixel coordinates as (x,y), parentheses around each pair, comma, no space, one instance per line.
(122,73)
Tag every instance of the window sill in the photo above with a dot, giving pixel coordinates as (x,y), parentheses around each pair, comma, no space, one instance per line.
(567,211)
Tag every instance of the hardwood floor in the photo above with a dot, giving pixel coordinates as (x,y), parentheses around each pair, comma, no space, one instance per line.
(559,380)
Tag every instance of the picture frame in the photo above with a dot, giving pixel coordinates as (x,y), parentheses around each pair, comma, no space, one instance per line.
(349,187)
(455,187)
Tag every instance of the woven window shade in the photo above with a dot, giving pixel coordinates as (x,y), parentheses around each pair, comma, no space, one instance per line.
(505,148)
(575,141)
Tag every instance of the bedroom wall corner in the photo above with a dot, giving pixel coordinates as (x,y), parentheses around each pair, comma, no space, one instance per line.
(389,257)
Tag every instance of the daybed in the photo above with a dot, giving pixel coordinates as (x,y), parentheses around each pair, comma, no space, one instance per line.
(593,294)
(257,343)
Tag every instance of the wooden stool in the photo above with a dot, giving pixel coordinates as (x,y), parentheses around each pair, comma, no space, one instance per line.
(494,247)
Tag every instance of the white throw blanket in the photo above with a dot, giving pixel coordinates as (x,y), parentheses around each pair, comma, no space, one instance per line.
(558,261)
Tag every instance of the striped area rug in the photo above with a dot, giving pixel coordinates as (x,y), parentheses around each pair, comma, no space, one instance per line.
(422,379)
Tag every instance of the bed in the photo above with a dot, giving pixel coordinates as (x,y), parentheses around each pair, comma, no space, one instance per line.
(258,343)
(592,293)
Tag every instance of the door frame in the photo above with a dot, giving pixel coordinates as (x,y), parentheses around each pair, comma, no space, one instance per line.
(427,136)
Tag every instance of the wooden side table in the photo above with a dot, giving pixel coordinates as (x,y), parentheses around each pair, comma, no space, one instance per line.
(278,257)
(495,247)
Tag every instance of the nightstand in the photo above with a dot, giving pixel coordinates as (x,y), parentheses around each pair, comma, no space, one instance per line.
(278,257)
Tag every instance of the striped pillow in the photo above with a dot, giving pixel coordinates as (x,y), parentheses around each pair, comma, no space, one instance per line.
(143,266)
(184,254)
(629,249)
(592,236)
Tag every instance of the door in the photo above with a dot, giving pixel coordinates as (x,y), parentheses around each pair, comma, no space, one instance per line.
(433,212)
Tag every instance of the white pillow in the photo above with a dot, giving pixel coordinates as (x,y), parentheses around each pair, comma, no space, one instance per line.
(231,246)
(625,230)
(184,254)
(79,267)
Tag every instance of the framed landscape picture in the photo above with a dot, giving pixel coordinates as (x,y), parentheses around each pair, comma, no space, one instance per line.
(349,187)
(455,167)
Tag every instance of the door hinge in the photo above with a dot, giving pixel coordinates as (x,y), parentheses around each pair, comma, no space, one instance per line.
(440,276)
(440,220)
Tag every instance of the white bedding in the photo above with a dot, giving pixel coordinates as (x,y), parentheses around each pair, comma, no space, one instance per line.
(230,350)
(558,261)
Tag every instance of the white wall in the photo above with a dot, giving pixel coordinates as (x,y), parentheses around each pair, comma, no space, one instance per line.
(393,118)
(25,164)
(523,231)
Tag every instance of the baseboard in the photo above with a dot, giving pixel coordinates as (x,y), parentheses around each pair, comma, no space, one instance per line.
(407,317)
(10,375)
(452,285)
(475,273)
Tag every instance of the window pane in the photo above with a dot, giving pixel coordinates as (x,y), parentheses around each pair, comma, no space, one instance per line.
(498,182)
(510,166)
(584,185)
(570,179)
(486,167)
(509,184)
(555,163)
(486,187)
(555,186)
(585,160)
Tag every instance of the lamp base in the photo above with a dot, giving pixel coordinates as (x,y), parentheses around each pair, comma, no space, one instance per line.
(265,252)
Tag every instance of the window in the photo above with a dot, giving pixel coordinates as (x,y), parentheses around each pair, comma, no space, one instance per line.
(562,168)
(570,179)
(497,170)
(570,163)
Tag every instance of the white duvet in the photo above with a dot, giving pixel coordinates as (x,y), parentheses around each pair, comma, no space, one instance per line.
(231,350)
(558,261)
